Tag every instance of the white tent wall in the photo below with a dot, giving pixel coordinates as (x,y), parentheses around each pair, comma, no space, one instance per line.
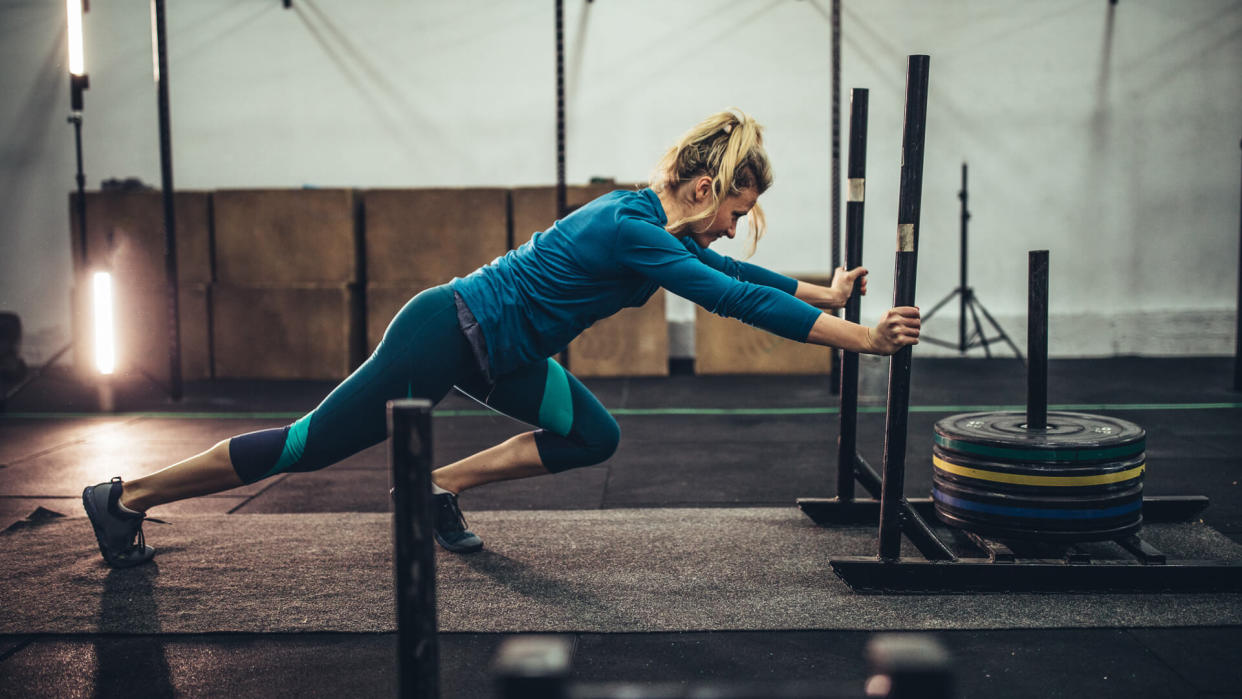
(1107,134)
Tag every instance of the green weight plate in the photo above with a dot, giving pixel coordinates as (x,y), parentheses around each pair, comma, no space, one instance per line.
(1069,437)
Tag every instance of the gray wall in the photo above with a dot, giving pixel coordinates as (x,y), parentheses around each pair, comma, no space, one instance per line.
(1112,142)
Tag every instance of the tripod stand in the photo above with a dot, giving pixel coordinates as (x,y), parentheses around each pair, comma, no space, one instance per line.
(969,303)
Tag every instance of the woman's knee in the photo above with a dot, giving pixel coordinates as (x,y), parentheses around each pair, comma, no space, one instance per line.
(606,440)
(256,455)
(583,446)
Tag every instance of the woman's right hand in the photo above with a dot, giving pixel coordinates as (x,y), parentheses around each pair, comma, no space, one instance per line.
(898,327)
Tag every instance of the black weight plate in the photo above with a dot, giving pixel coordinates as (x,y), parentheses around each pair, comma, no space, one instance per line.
(1070,437)
(1034,528)
(1036,518)
(1035,532)
(1045,503)
(1051,514)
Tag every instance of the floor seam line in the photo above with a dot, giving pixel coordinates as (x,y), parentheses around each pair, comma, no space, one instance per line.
(1160,658)
(18,648)
(247,501)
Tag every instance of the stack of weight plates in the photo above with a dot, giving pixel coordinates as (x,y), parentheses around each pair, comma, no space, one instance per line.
(1081,479)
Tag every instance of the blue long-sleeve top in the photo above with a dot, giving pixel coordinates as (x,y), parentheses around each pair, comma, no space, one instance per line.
(607,255)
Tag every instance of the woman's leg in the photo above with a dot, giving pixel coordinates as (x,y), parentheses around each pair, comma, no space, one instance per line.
(203,474)
(422,354)
(575,429)
(516,457)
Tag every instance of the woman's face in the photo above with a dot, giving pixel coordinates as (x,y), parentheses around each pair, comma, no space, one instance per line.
(732,208)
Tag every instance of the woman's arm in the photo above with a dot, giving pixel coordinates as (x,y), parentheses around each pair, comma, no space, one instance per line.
(832,297)
(650,251)
(897,328)
(743,271)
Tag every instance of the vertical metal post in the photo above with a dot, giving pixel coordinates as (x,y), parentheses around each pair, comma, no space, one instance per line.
(908,205)
(170,218)
(836,133)
(837,355)
(847,445)
(1237,349)
(1037,341)
(964,289)
(76,120)
(414,561)
(561,203)
(77,85)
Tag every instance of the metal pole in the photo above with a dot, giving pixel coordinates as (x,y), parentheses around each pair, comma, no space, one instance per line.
(1037,341)
(561,203)
(836,134)
(78,84)
(170,219)
(414,560)
(76,119)
(1237,349)
(908,204)
(961,319)
(847,448)
(837,355)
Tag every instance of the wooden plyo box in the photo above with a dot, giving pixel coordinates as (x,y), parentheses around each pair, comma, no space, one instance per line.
(125,234)
(285,238)
(310,332)
(728,346)
(141,327)
(633,342)
(425,237)
(534,208)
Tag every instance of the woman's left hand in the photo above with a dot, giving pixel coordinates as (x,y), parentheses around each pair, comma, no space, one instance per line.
(843,283)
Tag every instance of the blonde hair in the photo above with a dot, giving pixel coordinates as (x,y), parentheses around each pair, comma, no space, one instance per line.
(728,147)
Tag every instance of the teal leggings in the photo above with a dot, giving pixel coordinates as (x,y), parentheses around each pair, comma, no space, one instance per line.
(424,354)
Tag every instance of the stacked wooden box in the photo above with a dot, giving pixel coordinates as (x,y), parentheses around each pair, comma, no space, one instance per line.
(419,238)
(286,304)
(125,235)
(728,346)
(301,284)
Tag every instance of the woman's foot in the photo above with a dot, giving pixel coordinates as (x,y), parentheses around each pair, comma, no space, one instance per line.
(451,532)
(119,532)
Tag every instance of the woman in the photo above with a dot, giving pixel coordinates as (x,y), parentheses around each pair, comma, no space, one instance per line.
(492,333)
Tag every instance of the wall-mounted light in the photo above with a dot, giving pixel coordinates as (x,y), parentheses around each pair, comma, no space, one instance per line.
(76,61)
(105,335)
(78,80)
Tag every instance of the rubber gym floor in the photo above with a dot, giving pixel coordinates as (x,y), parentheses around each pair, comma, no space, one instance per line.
(683,558)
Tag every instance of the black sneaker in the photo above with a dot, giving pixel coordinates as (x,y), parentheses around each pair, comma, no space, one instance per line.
(119,533)
(451,532)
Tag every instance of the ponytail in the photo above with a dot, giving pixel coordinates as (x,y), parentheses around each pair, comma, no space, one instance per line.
(728,147)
